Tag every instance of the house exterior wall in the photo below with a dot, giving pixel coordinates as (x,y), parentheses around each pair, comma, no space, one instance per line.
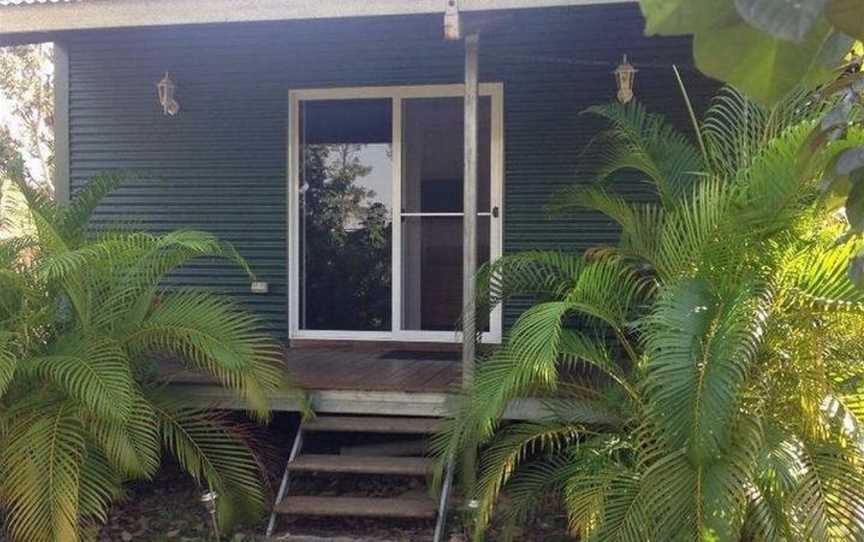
(220,164)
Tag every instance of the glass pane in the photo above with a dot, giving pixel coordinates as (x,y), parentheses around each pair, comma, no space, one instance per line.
(433,154)
(432,271)
(345,215)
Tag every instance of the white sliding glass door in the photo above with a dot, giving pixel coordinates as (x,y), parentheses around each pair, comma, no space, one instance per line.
(375,211)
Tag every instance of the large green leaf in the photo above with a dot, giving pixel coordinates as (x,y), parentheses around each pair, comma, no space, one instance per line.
(766,48)
(675,17)
(847,16)
(766,68)
(782,18)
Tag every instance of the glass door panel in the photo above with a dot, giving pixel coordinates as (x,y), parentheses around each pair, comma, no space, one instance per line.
(432,271)
(433,155)
(345,214)
(432,210)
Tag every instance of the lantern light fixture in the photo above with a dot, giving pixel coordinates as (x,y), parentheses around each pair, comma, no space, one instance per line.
(166,88)
(625,74)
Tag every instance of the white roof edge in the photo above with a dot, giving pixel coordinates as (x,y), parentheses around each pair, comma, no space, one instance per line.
(94,14)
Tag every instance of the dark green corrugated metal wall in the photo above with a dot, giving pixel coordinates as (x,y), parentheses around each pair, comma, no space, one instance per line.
(220,164)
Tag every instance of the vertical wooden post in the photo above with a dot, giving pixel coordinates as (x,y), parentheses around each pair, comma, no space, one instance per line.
(61,123)
(469,209)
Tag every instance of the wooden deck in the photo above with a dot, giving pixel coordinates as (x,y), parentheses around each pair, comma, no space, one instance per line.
(357,379)
(402,370)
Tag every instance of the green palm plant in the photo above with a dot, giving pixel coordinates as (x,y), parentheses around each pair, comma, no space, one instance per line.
(703,379)
(84,320)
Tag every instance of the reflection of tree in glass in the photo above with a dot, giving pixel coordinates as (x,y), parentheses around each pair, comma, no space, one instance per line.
(347,242)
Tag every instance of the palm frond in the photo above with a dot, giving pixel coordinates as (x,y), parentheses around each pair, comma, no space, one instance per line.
(829,497)
(512,447)
(639,223)
(688,238)
(602,493)
(99,487)
(736,129)
(8,361)
(74,218)
(535,273)
(699,352)
(214,455)
(132,446)
(94,372)
(208,332)
(646,143)
(816,277)
(41,472)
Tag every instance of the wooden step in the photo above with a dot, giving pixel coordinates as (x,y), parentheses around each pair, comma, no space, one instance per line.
(358,507)
(356,464)
(372,424)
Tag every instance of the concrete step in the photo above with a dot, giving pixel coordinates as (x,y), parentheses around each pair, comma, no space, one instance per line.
(356,464)
(373,424)
(358,507)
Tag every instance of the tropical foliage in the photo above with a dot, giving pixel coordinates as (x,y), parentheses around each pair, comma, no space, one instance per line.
(703,377)
(771,48)
(84,317)
(766,48)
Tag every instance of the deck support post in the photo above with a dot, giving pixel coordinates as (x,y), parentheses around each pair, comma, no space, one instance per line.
(469,237)
(469,209)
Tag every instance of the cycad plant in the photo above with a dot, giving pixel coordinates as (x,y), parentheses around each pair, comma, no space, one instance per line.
(704,378)
(85,317)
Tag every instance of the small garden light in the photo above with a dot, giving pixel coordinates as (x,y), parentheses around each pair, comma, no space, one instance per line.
(209,500)
(625,74)
(166,88)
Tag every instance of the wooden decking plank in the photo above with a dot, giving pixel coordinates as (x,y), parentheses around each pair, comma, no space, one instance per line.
(445,379)
(358,507)
(355,464)
(373,424)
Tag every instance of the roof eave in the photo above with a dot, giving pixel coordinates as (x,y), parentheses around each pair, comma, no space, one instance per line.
(98,14)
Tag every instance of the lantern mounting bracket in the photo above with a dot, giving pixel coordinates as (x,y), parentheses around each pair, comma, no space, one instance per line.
(452,23)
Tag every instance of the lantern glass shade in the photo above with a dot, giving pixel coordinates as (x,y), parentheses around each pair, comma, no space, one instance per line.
(166,88)
(625,74)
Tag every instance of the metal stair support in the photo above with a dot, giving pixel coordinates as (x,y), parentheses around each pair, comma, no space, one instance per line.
(441,520)
(283,485)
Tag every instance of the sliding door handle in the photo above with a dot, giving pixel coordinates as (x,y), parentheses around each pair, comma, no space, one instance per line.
(495,212)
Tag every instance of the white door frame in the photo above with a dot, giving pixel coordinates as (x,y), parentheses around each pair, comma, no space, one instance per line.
(396,94)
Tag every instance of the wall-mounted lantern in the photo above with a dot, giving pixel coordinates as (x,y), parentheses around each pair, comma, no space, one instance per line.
(166,88)
(625,74)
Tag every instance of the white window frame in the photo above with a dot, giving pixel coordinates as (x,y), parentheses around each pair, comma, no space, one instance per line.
(396,94)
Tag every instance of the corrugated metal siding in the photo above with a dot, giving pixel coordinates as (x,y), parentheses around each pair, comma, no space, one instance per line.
(220,164)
